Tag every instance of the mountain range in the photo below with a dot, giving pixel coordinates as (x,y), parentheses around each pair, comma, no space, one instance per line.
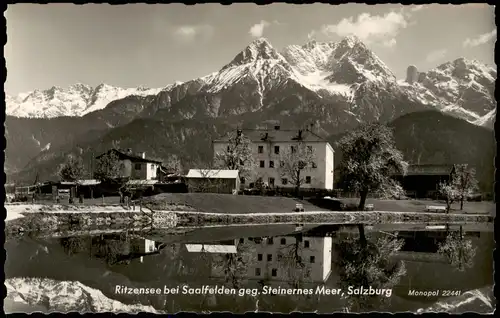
(335,86)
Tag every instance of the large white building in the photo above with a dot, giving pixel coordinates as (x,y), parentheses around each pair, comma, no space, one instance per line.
(268,146)
(274,258)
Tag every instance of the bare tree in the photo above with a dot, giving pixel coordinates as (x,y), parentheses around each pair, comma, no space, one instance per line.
(369,159)
(72,170)
(237,155)
(172,164)
(296,160)
(291,262)
(234,266)
(464,179)
(459,252)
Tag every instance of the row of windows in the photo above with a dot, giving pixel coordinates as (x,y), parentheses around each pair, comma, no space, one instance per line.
(274,272)
(284,181)
(138,166)
(262,164)
(270,241)
(293,149)
(312,259)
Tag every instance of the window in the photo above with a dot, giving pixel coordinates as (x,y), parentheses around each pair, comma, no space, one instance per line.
(259,257)
(312,259)
(283,241)
(269,257)
(293,149)
(277,150)
(262,163)
(153,168)
(271,181)
(282,163)
(309,149)
(280,257)
(274,272)
(284,181)
(252,185)
(270,241)
(242,240)
(242,180)
(137,166)
(271,164)
(151,248)
(313,164)
(228,149)
(308,179)
(261,149)
(306,244)
(257,272)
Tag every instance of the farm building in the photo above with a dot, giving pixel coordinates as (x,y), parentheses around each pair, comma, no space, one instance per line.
(214,181)
(422,181)
(135,166)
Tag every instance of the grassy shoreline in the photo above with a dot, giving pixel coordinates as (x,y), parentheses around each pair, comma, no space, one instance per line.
(59,221)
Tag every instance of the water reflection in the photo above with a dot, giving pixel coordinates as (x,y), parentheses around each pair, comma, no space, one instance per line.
(309,269)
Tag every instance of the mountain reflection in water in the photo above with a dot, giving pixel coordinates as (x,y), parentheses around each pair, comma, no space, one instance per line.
(287,260)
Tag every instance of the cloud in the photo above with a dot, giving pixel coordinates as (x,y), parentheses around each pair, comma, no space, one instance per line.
(436,55)
(370,28)
(418,8)
(257,30)
(189,33)
(481,39)
(390,43)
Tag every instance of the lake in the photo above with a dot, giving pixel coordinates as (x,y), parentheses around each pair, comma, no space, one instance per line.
(279,268)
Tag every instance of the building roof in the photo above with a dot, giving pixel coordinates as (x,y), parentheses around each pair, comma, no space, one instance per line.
(212,174)
(142,182)
(211,248)
(82,182)
(123,156)
(429,169)
(281,135)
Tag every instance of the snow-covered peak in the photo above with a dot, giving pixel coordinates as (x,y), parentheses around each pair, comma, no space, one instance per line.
(65,296)
(256,50)
(76,100)
(351,41)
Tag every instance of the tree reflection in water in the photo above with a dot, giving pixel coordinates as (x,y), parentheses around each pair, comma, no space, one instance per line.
(459,252)
(362,262)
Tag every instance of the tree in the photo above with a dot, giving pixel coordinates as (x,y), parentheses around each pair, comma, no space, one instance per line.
(295,161)
(450,193)
(234,265)
(173,164)
(459,252)
(72,170)
(237,155)
(108,167)
(369,159)
(464,179)
(461,185)
(368,265)
(291,262)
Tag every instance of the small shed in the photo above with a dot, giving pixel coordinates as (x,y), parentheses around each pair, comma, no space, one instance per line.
(213,181)
(422,181)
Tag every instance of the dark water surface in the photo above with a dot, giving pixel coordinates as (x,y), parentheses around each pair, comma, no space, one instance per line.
(300,264)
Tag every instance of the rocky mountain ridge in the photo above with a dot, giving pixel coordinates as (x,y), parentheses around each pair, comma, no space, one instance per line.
(345,74)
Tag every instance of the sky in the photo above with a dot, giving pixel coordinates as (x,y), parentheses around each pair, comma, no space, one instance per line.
(156,45)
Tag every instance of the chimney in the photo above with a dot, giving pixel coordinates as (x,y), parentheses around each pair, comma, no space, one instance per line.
(276,127)
(143,155)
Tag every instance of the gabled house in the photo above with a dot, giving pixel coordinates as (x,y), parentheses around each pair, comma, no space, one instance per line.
(269,144)
(135,166)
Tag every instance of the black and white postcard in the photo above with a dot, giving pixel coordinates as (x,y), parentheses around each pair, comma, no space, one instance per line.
(240,158)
